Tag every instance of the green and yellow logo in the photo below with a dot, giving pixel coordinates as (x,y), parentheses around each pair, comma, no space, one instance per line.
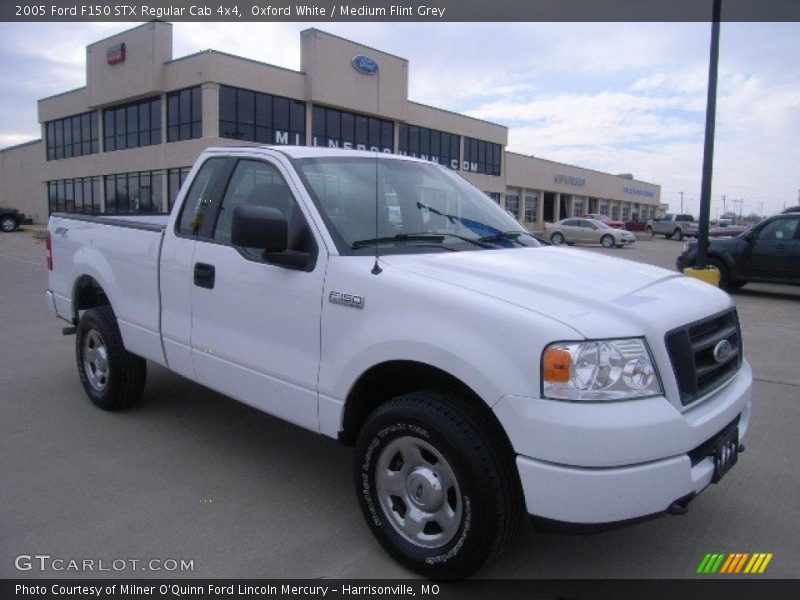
(738,562)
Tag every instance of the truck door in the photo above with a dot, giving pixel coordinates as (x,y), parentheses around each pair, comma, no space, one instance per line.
(176,262)
(256,326)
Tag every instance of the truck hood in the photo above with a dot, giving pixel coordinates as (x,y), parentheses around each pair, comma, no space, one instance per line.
(595,294)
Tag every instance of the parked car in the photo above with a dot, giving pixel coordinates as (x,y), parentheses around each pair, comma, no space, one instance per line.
(672,226)
(10,219)
(607,220)
(479,375)
(587,231)
(767,252)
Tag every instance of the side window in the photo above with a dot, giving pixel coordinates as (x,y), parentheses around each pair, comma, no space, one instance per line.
(253,183)
(193,211)
(779,229)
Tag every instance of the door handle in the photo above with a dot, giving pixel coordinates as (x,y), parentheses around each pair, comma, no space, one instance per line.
(204,275)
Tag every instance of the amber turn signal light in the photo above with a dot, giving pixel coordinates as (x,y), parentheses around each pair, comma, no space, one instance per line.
(556,365)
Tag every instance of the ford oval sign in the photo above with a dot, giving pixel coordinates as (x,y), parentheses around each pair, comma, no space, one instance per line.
(364,64)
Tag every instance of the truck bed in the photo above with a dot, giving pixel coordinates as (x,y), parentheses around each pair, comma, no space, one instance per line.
(122,252)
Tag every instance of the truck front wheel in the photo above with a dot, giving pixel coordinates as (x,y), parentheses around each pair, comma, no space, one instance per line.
(677,234)
(112,377)
(435,486)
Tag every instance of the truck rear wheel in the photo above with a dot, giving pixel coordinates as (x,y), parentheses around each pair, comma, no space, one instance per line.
(112,377)
(677,234)
(435,486)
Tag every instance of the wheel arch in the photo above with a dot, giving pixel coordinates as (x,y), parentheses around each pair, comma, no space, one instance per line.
(87,293)
(386,380)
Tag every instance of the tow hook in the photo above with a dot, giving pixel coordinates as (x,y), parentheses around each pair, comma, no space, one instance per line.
(680,507)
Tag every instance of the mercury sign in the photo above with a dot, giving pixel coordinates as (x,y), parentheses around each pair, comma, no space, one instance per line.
(364,64)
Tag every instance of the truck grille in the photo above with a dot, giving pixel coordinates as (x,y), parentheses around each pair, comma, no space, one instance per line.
(699,357)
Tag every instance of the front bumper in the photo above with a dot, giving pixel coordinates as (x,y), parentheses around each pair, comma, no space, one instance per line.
(601,463)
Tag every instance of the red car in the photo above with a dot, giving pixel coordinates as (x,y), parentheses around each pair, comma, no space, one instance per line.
(607,220)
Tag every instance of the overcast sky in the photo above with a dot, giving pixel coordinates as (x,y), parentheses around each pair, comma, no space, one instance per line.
(622,98)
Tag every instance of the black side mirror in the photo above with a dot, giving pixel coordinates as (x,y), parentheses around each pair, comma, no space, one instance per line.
(267,229)
(259,227)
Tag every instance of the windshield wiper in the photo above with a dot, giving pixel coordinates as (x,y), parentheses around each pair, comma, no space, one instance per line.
(512,236)
(400,237)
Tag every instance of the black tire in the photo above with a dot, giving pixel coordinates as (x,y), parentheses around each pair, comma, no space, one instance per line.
(677,234)
(607,241)
(122,381)
(8,223)
(725,281)
(651,232)
(486,499)
(557,238)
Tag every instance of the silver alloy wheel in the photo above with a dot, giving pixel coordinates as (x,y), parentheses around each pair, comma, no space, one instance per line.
(95,360)
(8,224)
(607,240)
(557,238)
(418,492)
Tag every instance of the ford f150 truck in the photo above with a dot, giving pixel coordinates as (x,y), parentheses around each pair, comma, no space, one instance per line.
(673,226)
(384,301)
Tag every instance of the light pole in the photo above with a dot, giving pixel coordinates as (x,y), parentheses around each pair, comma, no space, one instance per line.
(708,150)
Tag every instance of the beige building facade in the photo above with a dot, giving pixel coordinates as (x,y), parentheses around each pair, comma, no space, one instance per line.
(125,141)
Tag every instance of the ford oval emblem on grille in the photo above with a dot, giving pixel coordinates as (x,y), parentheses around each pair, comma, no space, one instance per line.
(364,64)
(722,351)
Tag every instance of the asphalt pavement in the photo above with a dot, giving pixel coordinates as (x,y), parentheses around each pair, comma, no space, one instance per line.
(189,475)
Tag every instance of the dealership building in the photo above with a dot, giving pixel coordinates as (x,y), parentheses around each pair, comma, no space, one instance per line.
(126,141)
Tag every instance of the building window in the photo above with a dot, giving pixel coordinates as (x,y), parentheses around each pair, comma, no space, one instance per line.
(132,125)
(512,204)
(578,207)
(339,129)
(531,209)
(184,115)
(81,195)
(625,209)
(134,192)
(257,117)
(72,136)
(615,212)
(481,157)
(603,210)
(430,144)
(175,179)
(494,196)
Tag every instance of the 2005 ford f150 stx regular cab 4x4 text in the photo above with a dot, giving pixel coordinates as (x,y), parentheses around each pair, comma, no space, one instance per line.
(384,301)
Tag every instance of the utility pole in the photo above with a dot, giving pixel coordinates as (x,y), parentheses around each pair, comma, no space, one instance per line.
(681,193)
(708,149)
(724,206)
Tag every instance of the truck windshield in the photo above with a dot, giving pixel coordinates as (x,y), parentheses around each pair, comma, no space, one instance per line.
(420,207)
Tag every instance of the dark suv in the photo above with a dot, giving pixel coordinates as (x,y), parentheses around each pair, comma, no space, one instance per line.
(767,252)
(10,219)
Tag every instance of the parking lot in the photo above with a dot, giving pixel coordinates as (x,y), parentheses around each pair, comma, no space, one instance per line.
(188,474)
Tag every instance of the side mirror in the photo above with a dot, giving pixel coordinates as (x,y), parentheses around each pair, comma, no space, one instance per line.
(259,227)
(267,229)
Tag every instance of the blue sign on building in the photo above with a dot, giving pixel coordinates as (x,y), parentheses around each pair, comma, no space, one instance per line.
(364,64)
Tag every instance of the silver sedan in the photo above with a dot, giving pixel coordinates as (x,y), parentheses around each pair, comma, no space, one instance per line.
(587,231)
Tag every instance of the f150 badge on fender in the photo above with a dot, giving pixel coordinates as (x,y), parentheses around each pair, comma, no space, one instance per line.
(347,299)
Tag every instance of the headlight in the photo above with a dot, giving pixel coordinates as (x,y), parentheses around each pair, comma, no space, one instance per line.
(599,370)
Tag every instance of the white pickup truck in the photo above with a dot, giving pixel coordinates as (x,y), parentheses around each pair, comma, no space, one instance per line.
(384,301)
